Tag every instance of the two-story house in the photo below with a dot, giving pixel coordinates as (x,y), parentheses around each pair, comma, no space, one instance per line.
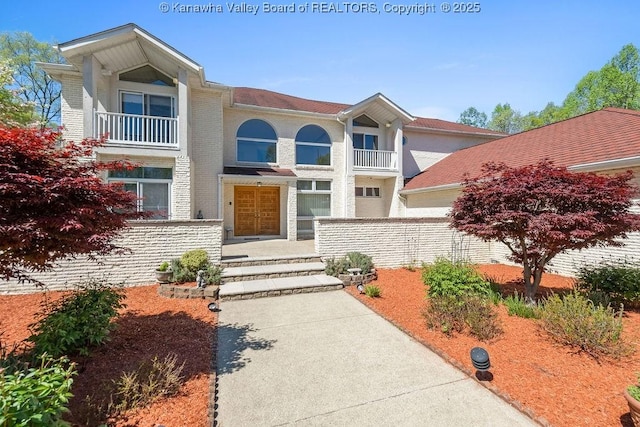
(264,162)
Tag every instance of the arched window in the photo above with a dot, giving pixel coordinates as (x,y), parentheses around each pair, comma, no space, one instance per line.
(256,142)
(313,146)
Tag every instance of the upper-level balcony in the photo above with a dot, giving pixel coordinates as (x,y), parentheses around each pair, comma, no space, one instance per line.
(375,159)
(136,130)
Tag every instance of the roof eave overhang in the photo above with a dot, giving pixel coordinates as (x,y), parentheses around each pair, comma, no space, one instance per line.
(283,111)
(360,107)
(624,162)
(58,70)
(442,187)
(454,132)
(261,178)
(94,42)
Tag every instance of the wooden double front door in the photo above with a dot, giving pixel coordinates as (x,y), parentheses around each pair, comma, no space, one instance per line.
(256,211)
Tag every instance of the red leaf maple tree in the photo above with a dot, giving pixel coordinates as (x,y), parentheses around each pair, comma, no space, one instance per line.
(541,210)
(53,203)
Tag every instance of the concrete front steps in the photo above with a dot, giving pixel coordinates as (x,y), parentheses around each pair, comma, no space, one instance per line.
(246,278)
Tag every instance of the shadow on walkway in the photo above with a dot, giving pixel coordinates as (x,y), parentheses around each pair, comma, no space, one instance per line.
(233,341)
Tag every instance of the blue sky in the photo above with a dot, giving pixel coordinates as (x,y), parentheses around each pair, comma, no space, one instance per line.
(433,65)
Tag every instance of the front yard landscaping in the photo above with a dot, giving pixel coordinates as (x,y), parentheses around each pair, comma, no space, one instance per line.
(558,384)
(555,383)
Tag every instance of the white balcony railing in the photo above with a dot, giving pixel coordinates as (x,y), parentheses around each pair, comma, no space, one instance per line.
(136,129)
(375,159)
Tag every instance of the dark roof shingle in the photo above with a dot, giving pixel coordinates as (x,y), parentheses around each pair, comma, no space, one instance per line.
(608,134)
(270,99)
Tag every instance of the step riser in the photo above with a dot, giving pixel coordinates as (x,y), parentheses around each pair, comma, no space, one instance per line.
(250,262)
(270,275)
(276,293)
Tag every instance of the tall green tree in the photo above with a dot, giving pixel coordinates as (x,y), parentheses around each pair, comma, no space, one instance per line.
(616,84)
(13,110)
(34,86)
(472,117)
(506,119)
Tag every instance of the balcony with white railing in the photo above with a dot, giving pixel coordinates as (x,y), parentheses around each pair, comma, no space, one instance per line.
(133,129)
(375,159)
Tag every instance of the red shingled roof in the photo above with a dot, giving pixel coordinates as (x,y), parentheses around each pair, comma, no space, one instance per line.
(609,134)
(267,98)
(421,122)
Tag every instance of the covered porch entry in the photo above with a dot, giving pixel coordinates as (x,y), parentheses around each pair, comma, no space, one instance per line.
(258,203)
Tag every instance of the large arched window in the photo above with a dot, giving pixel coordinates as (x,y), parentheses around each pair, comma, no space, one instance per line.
(256,142)
(313,146)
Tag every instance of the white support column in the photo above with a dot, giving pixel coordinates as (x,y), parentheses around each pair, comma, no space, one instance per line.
(183,176)
(90,74)
(292,211)
(349,180)
(396,207)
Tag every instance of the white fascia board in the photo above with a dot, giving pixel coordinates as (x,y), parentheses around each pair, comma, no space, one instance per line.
(284,111)
(453,132)
(58,69)
(442,187)
(607,164)
(362,106)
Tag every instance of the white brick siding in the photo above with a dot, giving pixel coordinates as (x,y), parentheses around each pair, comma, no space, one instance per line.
(150,242)
(181,189)
(393,242)
(71,107)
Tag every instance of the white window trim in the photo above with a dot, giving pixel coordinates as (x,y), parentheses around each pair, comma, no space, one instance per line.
(144,94)
(139,202)
(313,190)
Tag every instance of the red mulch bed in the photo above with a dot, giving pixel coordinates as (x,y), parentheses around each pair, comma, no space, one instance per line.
(556,383)
(150,325)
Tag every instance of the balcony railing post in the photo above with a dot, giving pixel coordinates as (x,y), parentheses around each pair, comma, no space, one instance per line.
(136,129)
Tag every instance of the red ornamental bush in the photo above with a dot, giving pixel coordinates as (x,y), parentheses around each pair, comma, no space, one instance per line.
(53,204)
(542,210)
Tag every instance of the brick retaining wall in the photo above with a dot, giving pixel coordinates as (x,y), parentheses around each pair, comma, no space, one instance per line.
(150,242)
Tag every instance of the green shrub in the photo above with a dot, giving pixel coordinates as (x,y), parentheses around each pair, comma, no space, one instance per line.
(194,260)
(634,390)
(361,261)
(470,313)
(150,381)
(617,282)
(164,266)
(77,322)
(37,396)
(446,278)
(334,267)
(575,321)
(517,306)
(181,274)
(372,291)
(213,275)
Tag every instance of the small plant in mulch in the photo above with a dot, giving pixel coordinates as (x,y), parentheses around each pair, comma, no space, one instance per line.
(612,281)
(456,279)
(518,306)
(372,291)
(147,383)
(467,314)
(335,267)
(575,321)
(186,268)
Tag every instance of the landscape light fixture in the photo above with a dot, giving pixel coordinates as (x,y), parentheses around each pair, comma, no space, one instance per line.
(480,361)
(213,307)
(360,287)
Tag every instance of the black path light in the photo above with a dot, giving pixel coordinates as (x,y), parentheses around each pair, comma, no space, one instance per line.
(213,307)
(480,361)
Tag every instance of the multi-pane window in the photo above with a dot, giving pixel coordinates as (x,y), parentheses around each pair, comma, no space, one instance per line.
(365,141)
(367,191)
(313,146)
(314,199)
(256,142)
(151,185)
(139,108)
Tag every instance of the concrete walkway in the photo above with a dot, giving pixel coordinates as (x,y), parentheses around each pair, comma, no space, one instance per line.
(324,359)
